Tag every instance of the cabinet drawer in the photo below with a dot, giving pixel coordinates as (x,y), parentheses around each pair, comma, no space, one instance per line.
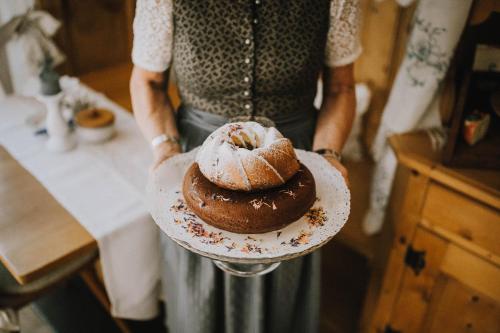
(463,218)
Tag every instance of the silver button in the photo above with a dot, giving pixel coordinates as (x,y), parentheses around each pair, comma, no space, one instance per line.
(246,79)
(247,106)
(247,41)
(257,2)
(246,93)
(247,60)
(255,21)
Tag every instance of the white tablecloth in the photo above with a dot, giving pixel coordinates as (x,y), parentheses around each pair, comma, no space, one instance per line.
(102,187)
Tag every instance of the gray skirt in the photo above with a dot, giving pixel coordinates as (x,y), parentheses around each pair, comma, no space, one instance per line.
(201,298)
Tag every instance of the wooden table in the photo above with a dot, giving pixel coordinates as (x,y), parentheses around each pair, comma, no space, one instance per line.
(36,233)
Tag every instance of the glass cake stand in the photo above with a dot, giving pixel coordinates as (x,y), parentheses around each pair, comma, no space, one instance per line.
(246,270)
(248,255)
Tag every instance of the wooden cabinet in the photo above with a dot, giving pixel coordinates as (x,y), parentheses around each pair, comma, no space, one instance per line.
(452,290)
(443,272)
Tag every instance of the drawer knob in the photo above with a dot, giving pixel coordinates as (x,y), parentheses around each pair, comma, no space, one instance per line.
(389,329)
(415,259)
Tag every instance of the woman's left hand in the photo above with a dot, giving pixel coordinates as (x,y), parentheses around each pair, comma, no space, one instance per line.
(339,166)
(163,152)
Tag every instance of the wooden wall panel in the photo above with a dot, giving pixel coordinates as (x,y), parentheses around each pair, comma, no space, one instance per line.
(95,33)
(383,35)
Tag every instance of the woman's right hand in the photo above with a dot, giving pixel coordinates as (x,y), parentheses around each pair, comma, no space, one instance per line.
(163,152)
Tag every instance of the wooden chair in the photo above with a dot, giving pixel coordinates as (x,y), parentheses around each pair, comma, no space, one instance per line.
(14,296)
(34,228)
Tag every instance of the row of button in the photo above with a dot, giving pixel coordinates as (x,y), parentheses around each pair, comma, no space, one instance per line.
(248,42)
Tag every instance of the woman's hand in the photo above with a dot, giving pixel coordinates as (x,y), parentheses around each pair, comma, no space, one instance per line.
(153,111)
(339,166)
(163,152)
(336,114)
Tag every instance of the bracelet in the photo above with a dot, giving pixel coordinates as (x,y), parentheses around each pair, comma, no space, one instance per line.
(325,152)
(158,140)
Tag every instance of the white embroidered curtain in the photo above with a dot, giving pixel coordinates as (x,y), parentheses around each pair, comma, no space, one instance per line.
(413,101)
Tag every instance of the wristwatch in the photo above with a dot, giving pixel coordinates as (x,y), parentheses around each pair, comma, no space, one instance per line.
(158,140)
(325,152)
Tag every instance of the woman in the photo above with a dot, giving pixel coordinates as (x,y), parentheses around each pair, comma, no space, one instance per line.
(243,58)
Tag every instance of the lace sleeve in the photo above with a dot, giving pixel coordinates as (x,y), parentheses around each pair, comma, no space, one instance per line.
(153,35)
(343,45)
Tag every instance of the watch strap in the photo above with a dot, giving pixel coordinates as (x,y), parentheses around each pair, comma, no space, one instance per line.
(158,140)
(326,152)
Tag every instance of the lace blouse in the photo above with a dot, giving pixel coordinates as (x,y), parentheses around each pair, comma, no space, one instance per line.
(154,29)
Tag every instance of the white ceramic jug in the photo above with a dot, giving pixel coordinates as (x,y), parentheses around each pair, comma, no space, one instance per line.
(60,138)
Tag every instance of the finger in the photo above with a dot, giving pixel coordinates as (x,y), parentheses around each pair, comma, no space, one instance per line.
(347,182)
(346,177)
(342,169)
(153,167)
(158,161)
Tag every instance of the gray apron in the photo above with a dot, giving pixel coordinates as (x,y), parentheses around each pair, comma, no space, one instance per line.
(201,298)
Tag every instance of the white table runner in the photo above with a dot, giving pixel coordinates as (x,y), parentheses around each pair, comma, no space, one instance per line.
(102,186)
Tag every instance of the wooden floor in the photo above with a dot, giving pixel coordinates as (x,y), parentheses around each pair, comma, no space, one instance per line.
(346,260)
(344,279)
(113,82)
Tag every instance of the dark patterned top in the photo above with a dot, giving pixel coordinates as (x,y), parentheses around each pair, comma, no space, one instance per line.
(240,57)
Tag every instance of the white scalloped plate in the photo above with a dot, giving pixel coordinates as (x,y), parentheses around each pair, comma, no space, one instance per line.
(328,216)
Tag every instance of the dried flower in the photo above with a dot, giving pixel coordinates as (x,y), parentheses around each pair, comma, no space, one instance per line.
(316,217)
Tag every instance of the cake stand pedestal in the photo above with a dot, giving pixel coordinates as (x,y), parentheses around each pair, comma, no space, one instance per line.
(246,270)
(247,255)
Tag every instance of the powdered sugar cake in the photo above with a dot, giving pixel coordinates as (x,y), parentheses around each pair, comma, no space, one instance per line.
(246,156)
(249,212)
